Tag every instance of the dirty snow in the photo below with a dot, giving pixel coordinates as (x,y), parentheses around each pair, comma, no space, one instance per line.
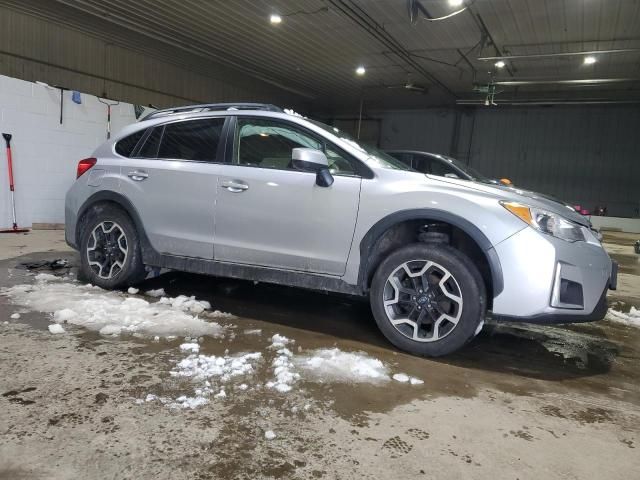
(206,368)
(112,313)
(253,331)
(190,347)
(159,292)
(632,318)
(283,368)
(269,435)
(401,377)
(334,365)
(56,328)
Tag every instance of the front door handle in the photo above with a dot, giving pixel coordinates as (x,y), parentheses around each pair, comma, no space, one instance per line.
(235,186)
(138,175)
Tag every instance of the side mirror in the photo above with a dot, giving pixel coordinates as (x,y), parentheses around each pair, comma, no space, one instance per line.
(312,160)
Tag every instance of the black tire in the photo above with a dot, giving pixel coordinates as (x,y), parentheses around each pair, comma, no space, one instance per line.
(468,284)
(132,270)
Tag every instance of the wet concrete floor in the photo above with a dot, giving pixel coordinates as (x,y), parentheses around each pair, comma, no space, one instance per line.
(521,401)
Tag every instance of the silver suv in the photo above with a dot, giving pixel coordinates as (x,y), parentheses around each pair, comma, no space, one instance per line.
(251,191)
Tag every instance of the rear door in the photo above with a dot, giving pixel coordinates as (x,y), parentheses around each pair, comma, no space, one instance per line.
(171,180)
(270,214)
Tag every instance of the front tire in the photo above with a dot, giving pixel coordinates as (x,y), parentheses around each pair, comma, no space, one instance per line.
(110,254)
(428,299)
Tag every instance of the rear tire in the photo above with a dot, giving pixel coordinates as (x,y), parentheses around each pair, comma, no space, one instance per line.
(110,254)
(428,299)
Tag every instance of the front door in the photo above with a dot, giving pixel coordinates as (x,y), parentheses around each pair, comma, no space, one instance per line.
(270,214)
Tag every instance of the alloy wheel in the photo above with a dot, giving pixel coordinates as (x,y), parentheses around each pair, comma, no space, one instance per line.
(422,300)
(107,249)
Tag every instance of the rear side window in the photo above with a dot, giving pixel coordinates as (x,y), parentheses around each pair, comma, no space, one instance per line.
(126,146)
(192,140)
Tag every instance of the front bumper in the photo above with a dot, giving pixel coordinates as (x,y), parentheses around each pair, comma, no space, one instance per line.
(548,280)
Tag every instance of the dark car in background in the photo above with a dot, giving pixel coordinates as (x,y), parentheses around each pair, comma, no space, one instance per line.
(442,166)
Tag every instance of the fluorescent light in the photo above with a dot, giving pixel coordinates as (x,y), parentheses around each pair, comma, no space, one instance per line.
(500,64)
(590,60)
(456,3)
(360,70)
(275,19)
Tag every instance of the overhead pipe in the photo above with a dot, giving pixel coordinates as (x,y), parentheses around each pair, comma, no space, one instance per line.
(360,17)
(584,81)
(552,55)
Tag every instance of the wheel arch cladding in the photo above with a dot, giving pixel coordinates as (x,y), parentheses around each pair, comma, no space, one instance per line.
(370,243)
(103,197)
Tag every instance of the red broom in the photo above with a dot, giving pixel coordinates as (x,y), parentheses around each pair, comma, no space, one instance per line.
(14,229)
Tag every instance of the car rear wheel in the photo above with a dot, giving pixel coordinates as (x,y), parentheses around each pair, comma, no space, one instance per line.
(428,299)
(110,255)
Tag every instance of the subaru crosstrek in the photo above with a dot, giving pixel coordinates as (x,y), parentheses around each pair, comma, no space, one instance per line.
(254,192)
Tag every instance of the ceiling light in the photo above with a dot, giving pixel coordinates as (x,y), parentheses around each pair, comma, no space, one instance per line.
(500,64)
(275,19)
(456,3)
(590,60)
(360,70)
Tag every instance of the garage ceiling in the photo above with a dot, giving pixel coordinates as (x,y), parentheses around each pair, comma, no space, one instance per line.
(318,45)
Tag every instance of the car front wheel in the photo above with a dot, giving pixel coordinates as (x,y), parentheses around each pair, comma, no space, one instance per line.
(428,299)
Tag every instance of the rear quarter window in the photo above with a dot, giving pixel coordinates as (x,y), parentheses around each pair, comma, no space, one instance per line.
(126,146)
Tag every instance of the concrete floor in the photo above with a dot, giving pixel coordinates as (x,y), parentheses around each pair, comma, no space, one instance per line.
(520,401)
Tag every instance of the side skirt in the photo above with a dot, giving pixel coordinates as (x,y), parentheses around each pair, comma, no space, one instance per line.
(249,272)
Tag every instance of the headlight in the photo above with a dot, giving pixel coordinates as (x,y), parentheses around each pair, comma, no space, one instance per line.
(547,222)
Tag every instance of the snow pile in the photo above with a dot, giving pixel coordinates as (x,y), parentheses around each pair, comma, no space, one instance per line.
(15,316)
(404,378)
(112,313)
(157,293)
(187,304)
(632,318)
(190,347)
(56,328)
(334,365)
(283,367)
(133,290)
(205,367)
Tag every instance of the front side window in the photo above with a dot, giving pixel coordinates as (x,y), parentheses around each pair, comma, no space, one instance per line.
(192,140)
(268,144)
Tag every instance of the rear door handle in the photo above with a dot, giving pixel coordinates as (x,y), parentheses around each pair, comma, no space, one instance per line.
(235,186)
(138,175)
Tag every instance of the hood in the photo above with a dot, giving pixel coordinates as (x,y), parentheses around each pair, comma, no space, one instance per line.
(513,194)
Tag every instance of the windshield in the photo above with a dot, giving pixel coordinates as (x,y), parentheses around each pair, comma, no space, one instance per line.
(378,157)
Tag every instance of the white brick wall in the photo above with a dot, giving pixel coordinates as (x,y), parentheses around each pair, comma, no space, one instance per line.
(45,153)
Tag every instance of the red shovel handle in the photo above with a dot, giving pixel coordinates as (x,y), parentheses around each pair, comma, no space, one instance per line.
(7,138)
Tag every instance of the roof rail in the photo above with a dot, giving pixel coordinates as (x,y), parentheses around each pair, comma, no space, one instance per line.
(212,107)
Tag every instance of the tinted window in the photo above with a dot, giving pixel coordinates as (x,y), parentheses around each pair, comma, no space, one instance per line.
(268,144)
(150,147)
(442,168)
(192,140)
(125,146)
(422,164)
(403,157)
